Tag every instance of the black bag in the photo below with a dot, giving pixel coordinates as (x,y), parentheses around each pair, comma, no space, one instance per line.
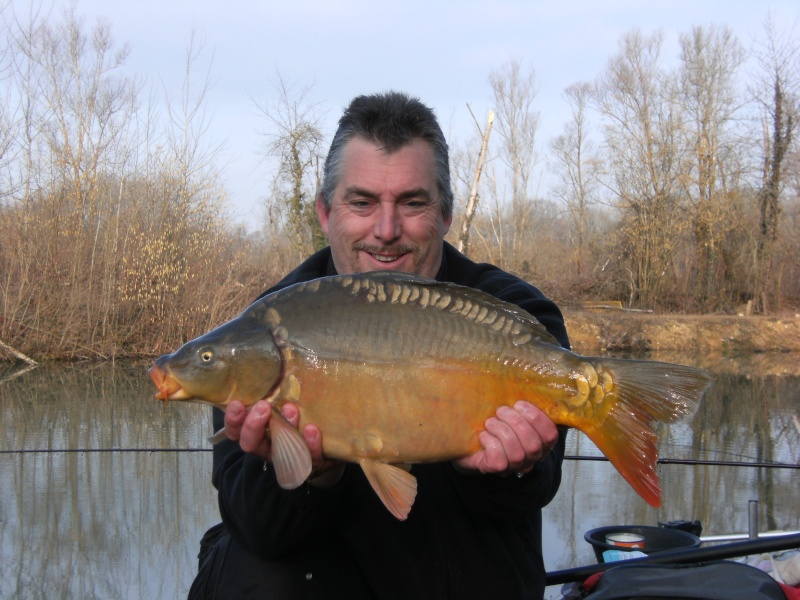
(719,580)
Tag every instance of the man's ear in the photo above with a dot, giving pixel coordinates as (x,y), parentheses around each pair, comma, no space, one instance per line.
(322,214)
(446,224)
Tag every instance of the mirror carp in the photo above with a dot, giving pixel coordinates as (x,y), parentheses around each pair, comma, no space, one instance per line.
(395,370)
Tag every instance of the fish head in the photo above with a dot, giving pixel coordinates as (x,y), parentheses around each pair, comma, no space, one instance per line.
(236,361)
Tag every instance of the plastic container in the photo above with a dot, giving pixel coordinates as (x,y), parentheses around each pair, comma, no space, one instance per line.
(655,539)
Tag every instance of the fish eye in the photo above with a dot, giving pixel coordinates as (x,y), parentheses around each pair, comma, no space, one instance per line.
(206,356)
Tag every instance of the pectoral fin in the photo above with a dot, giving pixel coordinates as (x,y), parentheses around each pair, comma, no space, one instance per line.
(396,488)
(291,457)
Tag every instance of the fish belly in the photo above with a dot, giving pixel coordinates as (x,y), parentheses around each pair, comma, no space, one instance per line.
(400,413)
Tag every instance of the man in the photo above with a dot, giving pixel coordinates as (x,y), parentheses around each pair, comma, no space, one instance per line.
(475,528)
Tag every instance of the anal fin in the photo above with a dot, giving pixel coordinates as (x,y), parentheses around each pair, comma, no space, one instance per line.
(396,487)
(291,457)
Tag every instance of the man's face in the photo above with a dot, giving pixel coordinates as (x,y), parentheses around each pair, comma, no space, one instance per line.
(386,213)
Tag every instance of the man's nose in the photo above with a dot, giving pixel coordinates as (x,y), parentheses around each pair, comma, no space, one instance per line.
(387,224)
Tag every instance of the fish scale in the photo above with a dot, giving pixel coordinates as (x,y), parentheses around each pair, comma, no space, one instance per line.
(395,369)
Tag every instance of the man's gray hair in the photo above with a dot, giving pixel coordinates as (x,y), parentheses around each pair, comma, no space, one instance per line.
(390,120)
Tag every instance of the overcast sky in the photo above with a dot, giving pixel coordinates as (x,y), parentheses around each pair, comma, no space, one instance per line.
(441,51)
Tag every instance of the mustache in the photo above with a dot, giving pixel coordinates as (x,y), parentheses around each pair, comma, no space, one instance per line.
(396,249)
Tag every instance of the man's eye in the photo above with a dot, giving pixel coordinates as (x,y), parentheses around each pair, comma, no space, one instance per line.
(360,204)
(419,204)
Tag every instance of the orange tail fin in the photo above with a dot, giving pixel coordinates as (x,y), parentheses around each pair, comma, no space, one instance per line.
(645,392)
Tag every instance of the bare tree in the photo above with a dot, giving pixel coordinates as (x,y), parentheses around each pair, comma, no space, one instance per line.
(21,133)
(576,167)
(635,97)
(74,108)
(472,201)
(88,106)
(113,229)
(167,263)
(193,160)
(514,92)
(294,137)
(710,59)
(777,93)
(509,205)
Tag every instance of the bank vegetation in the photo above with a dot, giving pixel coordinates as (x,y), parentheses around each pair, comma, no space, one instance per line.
(673,188)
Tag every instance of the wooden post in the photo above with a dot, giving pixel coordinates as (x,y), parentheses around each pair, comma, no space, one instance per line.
(472,203)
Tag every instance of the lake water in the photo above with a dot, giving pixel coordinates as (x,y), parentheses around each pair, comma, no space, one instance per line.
(92,506)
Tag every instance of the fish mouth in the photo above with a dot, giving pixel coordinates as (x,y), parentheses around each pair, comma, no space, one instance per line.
(168,386)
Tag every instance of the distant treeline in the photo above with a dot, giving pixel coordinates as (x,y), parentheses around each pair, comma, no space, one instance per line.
(674,189)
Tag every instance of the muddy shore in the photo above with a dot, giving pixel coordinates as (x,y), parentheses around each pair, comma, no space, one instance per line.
(754,344)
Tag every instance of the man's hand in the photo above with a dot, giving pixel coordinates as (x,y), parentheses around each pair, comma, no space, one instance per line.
(250,430)
(514,441)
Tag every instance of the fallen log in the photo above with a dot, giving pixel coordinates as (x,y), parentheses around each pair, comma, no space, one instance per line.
(17,354)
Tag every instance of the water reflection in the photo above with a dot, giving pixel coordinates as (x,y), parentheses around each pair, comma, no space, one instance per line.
(99,524)
(112,524)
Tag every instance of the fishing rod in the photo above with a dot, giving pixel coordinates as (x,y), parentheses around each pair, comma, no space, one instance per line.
(699,462)
(684,556)
(100,450)
(662,461)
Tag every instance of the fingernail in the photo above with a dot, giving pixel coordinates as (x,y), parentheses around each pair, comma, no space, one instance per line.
(260,409)
(525,408)
(310,433)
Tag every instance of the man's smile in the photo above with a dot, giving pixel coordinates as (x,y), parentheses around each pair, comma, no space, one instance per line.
(387,255)
(385,258)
